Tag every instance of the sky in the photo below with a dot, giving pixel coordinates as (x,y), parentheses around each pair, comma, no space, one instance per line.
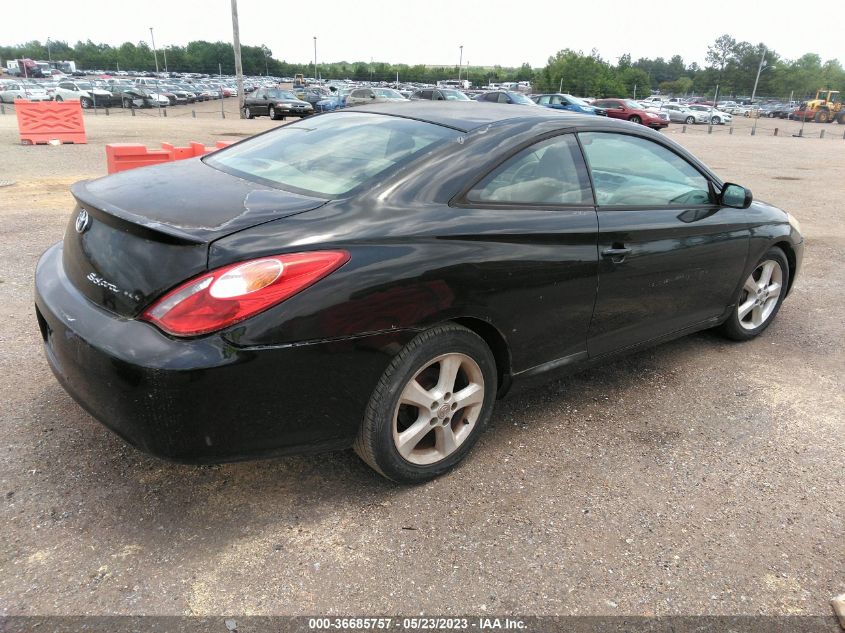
(431,32)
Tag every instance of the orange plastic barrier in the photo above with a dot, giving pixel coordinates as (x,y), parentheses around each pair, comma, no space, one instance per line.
(123,156)
(45,121)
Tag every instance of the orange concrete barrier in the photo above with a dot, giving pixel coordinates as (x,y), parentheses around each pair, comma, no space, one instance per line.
(41,122)
(123,156)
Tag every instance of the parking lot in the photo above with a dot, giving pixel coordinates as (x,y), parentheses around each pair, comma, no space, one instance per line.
(700,477)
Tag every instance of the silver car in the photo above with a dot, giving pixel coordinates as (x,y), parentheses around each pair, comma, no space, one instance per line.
(717,117)
(360,96)
(18,90)
(682,114)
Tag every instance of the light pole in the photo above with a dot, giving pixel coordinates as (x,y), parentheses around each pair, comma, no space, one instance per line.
(460,61)
(49,54)
(164,50)
(759,70)
(155,54)
(315,59)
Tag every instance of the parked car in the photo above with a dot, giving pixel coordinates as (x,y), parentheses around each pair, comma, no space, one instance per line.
(684,114)
(361,96)
(135,96)
(717,117)
(505,96)
(275,103)
(632,111)
(85,92)
(439,94)
(18,90)
(559,101)
(378,277)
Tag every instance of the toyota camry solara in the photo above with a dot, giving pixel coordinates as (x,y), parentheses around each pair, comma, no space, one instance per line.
(377,278)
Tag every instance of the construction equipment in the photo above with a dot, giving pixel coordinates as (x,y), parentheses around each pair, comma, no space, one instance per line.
(826,107)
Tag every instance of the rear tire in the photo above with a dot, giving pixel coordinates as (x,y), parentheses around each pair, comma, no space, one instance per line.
(271,111)
(759,300)
(430,405)
(822,116)
(635,119)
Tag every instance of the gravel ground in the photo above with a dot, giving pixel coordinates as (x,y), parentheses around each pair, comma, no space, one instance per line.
(700,477)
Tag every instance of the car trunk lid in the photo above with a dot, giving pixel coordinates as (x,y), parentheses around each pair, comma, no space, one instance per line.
(138,233)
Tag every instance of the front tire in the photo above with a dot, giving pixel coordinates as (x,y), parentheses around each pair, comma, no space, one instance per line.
(715,120)
(760,297)
(430,405)
(248,114)
(271,111)
(635,119)
(85,103)
(690,120)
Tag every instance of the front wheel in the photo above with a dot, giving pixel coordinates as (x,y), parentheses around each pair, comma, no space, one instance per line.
(430,405)
(759,298)
(715,120)
(59,99)
(85,103)
(248,114)
(690,120)
(635,119)
(272,113)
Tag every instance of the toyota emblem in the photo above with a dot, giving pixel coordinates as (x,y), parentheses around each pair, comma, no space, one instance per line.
(82,221)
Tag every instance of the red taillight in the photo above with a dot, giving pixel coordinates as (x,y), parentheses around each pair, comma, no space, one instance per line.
(233,293)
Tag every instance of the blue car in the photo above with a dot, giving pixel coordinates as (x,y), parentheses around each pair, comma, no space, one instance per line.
(567,102)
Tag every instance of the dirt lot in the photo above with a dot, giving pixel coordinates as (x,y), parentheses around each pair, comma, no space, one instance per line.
(701,477)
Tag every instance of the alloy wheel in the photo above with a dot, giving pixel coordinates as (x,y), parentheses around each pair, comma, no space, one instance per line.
(760,294)
(438,409)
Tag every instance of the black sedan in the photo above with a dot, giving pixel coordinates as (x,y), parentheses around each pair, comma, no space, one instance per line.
(377,278)
(275,103)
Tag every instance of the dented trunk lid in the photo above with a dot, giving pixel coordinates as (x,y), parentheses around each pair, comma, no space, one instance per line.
(138,233)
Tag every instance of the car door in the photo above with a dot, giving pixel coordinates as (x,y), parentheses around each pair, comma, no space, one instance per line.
(670,257)
(614,108)
(538,208)
(258,102)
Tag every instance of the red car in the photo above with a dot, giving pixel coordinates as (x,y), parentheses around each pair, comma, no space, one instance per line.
(632,111)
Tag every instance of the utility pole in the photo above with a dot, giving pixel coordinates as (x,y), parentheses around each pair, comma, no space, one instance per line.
(759,70)
(560,86)
(315,60)
(460,61)
(49,54)
(155,54)
(239,69)
(164,50)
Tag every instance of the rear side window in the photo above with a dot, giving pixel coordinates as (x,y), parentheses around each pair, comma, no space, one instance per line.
(551,172)
(330,155)
(633,171)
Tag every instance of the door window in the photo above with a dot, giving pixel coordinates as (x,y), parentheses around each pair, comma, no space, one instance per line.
(551,172)
(633,171)
(544,100)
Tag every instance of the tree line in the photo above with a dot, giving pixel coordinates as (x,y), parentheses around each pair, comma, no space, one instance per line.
(730,64)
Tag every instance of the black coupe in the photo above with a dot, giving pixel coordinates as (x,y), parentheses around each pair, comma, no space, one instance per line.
(376,278)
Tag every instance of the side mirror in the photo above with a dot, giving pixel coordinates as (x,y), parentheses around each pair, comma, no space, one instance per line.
(735,196)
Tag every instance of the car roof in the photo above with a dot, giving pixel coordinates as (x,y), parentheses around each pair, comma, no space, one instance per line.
(468,115)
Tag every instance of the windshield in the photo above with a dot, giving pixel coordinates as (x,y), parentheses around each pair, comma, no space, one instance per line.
(520,99)
(454,95)
(282,94)
(330,155)
(387,93)
(633,104)
(577,101)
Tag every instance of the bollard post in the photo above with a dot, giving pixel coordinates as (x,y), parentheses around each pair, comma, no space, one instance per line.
(164,112)
(731,131)
(107,112)
(801,132)
(2,109)
(821,134)
(194,113)
(132,110)
(753,131)
(684,129)
(710,129)
(776,131)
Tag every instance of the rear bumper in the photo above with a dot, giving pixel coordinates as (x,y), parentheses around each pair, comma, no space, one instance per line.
(204,399)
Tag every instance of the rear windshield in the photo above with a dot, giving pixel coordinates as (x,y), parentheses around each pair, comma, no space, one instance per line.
(331,154)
